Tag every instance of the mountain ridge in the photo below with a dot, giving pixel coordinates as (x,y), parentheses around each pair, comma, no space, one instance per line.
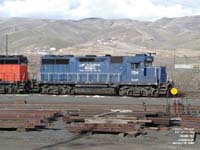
(29,35)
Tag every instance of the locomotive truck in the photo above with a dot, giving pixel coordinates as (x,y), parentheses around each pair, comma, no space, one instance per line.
(90,74)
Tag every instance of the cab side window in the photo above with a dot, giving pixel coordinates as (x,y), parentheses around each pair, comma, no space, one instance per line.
(135,65)
(148,64)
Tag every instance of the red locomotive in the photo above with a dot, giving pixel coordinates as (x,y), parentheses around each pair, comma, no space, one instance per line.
(13,73)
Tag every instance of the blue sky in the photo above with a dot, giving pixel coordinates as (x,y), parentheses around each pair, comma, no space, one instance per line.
(108,9)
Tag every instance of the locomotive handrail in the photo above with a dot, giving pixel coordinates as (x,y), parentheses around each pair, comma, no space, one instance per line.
(123,69)
(79,74)
(6,76)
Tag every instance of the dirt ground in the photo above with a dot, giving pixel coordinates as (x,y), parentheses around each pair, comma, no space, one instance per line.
(57,138)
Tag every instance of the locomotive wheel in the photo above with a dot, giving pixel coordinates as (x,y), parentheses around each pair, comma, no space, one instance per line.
(54,90)
(133,91)
(44,89)
(2,90)
(72,91)
(11,89)
(122,91)
(64,90)
(154,92)
(49,90)
(144,92)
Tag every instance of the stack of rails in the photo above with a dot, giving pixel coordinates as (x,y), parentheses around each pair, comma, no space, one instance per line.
(80,115)
(114,121)
(191,122)
(23,120)
(132,120)
(140,114)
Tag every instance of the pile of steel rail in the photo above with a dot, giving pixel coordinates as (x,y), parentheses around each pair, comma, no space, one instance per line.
(131,121)
(26,119)
(191,122)
(91,117)
(114,121)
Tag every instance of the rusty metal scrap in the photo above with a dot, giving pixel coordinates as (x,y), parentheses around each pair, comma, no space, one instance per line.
(104,127)
(83,120)
(116,121)
(26,119)
(191,122)
(120,118)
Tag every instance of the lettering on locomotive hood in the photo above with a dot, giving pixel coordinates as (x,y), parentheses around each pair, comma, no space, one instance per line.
(90,67)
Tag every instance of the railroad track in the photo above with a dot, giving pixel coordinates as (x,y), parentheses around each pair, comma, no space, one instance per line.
(63,106)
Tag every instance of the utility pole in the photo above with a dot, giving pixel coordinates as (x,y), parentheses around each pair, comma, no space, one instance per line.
(6,44)
(174,57)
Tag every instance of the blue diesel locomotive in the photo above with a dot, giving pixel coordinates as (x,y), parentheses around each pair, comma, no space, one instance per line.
(110,75)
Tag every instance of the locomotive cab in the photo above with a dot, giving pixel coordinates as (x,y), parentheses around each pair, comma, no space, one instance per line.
(142,70)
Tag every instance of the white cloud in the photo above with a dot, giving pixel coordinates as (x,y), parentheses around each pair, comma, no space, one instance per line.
(78,9)
(197,12)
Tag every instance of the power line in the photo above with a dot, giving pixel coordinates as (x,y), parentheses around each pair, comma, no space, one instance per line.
(6,44)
